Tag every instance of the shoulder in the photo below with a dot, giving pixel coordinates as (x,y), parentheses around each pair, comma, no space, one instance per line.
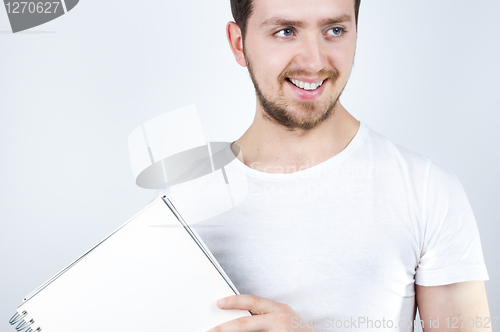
(413,165)
(384,150)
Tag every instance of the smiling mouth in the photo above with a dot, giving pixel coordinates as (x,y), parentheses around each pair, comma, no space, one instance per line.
(306,85)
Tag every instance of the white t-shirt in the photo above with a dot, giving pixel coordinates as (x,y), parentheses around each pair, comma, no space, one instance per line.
(342,240)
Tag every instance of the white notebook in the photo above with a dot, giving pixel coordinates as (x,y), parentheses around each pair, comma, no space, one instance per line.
(152,274)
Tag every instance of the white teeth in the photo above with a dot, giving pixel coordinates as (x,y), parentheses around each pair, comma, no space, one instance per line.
(306,85)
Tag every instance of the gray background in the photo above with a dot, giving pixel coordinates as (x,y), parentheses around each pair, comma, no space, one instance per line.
(426,76)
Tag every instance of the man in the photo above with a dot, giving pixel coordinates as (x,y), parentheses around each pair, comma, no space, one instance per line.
(341,229)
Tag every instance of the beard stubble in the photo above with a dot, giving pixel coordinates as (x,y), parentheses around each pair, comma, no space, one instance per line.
(280,112)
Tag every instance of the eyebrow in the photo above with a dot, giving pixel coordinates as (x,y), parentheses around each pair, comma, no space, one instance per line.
(301,24)
(340,19)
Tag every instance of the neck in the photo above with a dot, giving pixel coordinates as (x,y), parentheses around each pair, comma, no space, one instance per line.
(272,148)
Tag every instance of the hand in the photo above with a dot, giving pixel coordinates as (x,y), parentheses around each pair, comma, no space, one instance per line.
(268,316)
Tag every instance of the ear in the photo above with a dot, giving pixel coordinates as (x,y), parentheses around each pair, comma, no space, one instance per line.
(235,39)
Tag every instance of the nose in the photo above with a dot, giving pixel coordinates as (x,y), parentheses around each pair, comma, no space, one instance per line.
(311,54)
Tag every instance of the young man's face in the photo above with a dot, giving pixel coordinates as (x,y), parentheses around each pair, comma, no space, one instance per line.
(300,54)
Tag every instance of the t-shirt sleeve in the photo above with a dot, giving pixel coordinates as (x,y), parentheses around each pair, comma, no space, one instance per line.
(451,248)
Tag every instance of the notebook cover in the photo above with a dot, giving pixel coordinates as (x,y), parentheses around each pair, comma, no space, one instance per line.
(148,274)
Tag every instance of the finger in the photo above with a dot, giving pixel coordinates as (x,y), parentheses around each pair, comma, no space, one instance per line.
(245,324)
(256,304)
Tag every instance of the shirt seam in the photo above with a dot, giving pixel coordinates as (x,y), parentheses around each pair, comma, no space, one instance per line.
(450,268)
(424,206)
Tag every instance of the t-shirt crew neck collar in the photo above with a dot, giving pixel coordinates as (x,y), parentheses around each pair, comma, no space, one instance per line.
(338,158)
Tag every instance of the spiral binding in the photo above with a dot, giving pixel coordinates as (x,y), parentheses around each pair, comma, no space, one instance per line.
(23,325)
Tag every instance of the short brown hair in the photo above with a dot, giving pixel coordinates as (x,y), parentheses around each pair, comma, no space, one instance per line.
(242,9)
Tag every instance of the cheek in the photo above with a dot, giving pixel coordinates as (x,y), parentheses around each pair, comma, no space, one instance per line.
(270,57)
(269,65)
(342,59)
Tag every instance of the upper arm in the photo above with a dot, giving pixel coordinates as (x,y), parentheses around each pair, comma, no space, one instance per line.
(463,299)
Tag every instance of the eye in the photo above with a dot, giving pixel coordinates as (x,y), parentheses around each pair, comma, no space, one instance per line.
(337,31)
(284,32)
